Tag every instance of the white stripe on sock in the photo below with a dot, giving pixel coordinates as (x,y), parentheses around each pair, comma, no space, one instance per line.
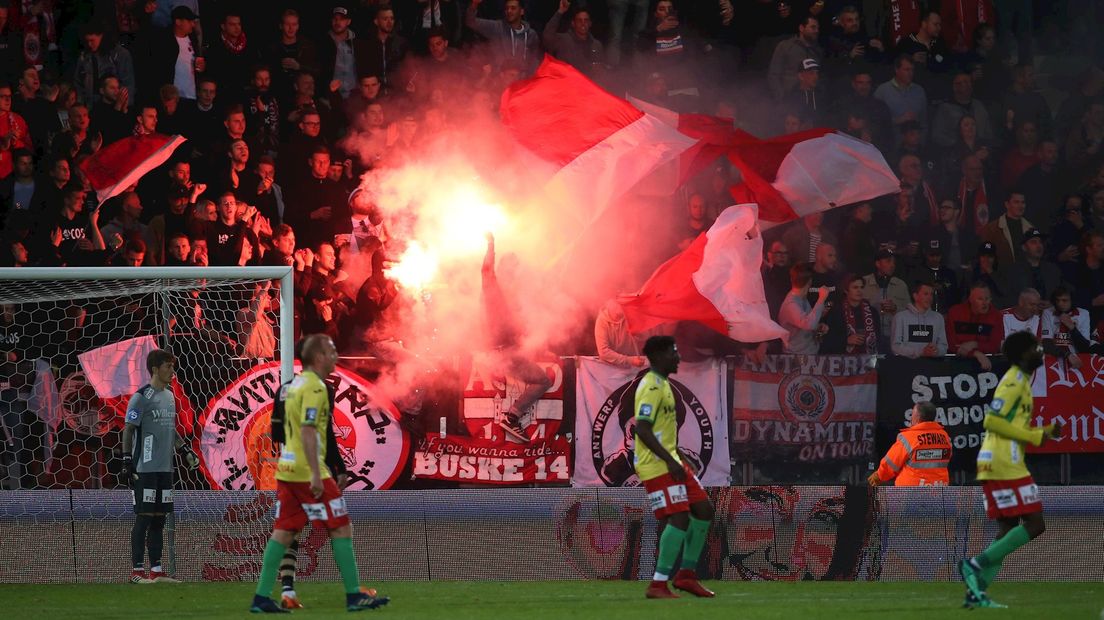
(659,577)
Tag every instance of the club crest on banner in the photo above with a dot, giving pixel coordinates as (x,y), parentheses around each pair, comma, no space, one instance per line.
(236,449)
(807,398)
(615,425)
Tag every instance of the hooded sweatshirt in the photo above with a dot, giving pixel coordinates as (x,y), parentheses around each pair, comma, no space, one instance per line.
(914,329)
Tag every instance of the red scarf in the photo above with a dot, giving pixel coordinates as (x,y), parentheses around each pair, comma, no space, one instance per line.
(975,215)
(234,45)
(870,342)
(904,15)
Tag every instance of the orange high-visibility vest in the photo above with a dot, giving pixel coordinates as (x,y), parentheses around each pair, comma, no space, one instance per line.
(919,458)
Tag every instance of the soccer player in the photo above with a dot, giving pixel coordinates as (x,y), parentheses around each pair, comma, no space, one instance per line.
(674,492)
(920,455)
(150,438)
(305,488)
(288,598)
(1010,494)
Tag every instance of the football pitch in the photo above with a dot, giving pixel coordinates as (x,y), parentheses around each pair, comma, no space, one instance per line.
(581,600)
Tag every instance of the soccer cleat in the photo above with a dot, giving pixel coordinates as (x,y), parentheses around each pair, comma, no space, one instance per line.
(990,603)
(290,600)
(139,576)
(265,605)
(161,577)
(687,581)
(509,423)
(361,601)
(659,589)
(969,576)
(971,600)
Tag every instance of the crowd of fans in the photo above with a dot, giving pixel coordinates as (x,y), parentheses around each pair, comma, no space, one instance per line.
(285,106)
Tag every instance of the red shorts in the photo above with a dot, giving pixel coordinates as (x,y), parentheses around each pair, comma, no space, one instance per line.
(1011,498)
(295,505)
(667,497)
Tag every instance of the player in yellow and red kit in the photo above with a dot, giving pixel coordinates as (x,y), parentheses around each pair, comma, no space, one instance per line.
(674,492)
(1011,496)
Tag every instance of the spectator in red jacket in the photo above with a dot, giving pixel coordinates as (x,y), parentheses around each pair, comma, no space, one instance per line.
(974,327)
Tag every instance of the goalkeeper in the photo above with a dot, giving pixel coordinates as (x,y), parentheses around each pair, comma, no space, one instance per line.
(149,440)
(1010,494)
(288,598)
(305,488)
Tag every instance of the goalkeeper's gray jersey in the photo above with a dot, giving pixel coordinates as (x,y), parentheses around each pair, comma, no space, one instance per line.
(152,413)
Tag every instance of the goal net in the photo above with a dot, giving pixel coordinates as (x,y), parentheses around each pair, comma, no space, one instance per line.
(74,343)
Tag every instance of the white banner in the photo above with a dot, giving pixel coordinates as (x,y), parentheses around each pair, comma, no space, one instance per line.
(604,422)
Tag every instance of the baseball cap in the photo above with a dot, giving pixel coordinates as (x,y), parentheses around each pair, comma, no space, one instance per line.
(183,12)
(987,248)
(1032,233)
(933,247)
(809,64)
(340,10)
(883,253)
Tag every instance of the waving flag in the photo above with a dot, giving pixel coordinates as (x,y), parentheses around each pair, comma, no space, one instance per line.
(602,145)
(117,166)
(715,282)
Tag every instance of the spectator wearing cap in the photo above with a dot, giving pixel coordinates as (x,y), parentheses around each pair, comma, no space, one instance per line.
(918,331)
(1087,276)
(986,269)
(1007,232)
(1065,328)
(906,100)
(911,142)
(385,50)
(807,99)
(174,55)
(886,292)
(943,279)
(930,53)
(975,328)
(860,100)
(962,103)
(98,58)
(1066,235)
(342,56)
(788,54)
(854,326)
(1033,270)
(511,38)
(959,244)
(231,56)
(577,46)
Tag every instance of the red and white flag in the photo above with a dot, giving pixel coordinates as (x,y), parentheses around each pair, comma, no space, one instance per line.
(715,282)
(116,371)
(602,144)
(798,174)
(117,166)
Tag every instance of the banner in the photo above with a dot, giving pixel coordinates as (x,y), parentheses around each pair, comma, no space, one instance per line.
(494,384)
(477,460)
(959,389)
(605,424)
(1076,399)
(236,450)
(808,409)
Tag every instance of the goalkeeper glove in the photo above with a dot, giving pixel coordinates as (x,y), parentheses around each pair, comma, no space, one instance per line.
(129,474)
(190,457)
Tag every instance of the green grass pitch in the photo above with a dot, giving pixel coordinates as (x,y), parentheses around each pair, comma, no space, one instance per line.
(580,600)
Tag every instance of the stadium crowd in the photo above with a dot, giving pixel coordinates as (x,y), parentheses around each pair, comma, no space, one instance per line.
(999,225)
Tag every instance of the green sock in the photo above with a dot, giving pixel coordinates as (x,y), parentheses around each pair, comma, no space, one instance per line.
(346,563)
(670,544)
(995,554)
(695,542)
(273,554)
(988,576)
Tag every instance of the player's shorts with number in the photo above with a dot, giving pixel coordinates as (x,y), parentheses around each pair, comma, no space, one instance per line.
(668,497)
(153,492)
(295,505)
(1011,498)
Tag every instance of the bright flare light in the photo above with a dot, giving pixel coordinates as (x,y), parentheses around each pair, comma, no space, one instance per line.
(464,221)
(415,269)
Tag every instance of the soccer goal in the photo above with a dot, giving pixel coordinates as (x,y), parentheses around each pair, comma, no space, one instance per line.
(74,343)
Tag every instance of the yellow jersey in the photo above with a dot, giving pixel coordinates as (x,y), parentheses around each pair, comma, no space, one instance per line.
(307,404)
(1007,429)
(655,403)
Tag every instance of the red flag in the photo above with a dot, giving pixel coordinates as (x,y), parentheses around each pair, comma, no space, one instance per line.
(117,166)
(715,282)
(601,144)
